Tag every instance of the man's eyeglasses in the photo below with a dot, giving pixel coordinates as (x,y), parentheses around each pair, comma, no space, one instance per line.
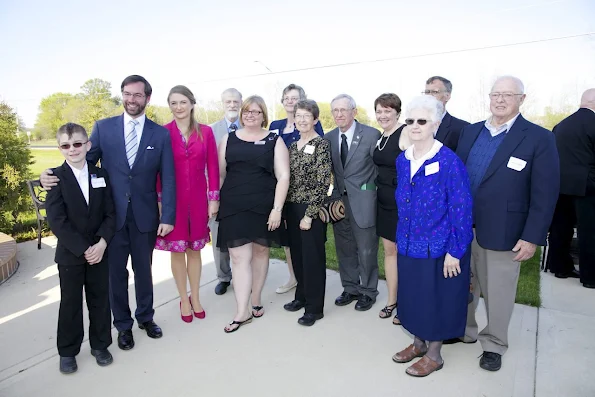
(419,121)
(341,111)
(66,146)
(506,95)
(136,96)
(431,92)
(253,112)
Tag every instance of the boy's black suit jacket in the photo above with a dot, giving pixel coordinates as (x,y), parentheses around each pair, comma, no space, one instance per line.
(76,224)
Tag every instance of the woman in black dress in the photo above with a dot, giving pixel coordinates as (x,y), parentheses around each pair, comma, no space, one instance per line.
(254,172)
(388,110)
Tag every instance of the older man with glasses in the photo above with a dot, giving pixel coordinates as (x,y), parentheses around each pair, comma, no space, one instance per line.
(514,174)
(356,242)
(450,128)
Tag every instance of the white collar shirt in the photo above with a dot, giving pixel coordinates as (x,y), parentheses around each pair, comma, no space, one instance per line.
(494,131)
(348,134)
(417,163)
(82,177)
(139,128)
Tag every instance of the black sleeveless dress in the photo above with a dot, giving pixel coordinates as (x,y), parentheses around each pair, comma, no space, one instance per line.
(248,193)
(386,208)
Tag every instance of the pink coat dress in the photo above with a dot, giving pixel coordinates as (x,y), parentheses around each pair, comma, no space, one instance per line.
(195,162)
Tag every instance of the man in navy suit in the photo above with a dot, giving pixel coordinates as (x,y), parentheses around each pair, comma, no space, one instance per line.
(450,128)
(514,175)
(133,150)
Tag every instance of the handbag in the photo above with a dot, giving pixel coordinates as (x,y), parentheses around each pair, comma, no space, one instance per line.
(332,209)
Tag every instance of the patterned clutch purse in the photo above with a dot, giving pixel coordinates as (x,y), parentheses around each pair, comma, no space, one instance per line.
(333,209)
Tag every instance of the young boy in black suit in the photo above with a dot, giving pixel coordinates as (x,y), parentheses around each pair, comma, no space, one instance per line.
(81,214)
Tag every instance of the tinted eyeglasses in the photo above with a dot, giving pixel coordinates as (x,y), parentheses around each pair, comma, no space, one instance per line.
(77,145)
(419,121)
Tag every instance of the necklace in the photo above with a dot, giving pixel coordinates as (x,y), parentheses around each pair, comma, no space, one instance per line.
(380,147)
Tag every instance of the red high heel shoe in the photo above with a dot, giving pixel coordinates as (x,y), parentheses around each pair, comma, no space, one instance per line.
(188,318)
(198,315)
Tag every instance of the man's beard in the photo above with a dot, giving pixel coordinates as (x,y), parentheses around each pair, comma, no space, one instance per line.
(232,114)
(140,108)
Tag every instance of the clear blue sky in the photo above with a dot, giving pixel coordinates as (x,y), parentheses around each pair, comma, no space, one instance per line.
(55,46)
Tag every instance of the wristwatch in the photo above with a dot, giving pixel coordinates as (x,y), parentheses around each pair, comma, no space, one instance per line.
(278,209)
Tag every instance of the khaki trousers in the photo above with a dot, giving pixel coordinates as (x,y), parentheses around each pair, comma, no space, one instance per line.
(495,275)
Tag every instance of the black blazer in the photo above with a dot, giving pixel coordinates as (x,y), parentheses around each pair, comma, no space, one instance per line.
(76,224)
(512,204)
(449,131)
(575,139)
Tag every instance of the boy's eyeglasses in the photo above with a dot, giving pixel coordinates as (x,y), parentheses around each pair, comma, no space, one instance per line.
(77,145)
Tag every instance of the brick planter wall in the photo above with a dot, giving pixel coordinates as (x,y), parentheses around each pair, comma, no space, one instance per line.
(8,257)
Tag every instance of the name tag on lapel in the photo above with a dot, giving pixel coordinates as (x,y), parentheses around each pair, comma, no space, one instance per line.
(276,132)
(97,182)
(259,142)
(432,168)
(309,149)
(516,163)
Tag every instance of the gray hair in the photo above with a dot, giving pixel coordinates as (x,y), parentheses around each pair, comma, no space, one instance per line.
(345,96)
(446,82)
(232,91)
(516,80)
(429,103)
(290,87)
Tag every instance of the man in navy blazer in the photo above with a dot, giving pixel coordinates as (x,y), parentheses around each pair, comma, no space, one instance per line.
(514,176)
(450,128)
(134,150)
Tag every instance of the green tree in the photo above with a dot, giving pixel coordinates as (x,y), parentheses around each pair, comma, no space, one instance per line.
(51,115)
(552,116)
(95,103)
(159,114)
(15,159)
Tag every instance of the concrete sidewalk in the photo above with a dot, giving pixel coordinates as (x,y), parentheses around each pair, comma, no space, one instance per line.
(347,353)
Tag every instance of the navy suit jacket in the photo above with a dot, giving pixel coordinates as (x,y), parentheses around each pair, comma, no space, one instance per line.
(450,130)
(137,184)
(510,205)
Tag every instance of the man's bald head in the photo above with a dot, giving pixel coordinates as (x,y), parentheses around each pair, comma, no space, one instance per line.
(588,99)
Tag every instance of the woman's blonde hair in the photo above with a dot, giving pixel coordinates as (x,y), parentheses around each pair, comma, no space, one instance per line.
(183,90)
(261,104)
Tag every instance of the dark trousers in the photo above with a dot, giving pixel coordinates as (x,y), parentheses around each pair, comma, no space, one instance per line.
(570,211)
(95,280)
(308,256)
(129,241)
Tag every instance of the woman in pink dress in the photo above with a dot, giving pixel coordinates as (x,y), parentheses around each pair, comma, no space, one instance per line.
(197,197)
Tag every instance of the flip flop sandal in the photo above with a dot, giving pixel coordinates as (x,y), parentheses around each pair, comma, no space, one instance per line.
(238,323)
(257,309)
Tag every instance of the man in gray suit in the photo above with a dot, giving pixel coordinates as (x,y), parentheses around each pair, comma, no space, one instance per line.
(356,242)
(232,102)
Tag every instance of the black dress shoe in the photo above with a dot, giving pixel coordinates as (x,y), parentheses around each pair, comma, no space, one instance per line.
(152,329)
(68,365)
(457,340)
(309,319)
(346,298)
(364,303)
(572,274)
(490,361)
(589,285)
(125,340)
(294,306)
(103,357)
(221,288)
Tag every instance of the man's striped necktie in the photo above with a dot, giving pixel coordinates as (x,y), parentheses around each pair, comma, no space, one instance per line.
(131,142)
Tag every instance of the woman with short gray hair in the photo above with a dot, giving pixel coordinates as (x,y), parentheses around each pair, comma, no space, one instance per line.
(434,233)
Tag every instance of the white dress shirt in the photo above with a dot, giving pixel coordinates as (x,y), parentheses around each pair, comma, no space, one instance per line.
(504,127)
(349,134)
(139,127)
(416,164)
(82,177)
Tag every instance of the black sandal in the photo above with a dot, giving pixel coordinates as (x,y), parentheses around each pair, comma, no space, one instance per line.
(239,324)
(257,309)
(398,322)
(387,311)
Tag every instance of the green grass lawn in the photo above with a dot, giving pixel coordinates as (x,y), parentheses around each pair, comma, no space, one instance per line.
(45,158)
(527,290)
(43,142)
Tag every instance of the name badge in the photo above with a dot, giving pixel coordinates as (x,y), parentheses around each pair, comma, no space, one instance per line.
(276,132)
(432,168)
(97,182)
(259,142)
(309,149)
(516,163)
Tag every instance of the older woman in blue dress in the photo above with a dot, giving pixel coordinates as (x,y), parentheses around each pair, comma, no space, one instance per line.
(434,233)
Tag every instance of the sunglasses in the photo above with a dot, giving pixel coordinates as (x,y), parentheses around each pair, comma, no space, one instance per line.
(77,145)
(419,121)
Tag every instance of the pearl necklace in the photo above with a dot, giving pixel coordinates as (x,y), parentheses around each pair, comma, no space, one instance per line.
(380,147)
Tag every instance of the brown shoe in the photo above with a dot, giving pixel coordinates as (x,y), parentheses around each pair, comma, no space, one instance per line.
(404,356)
(424,367)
